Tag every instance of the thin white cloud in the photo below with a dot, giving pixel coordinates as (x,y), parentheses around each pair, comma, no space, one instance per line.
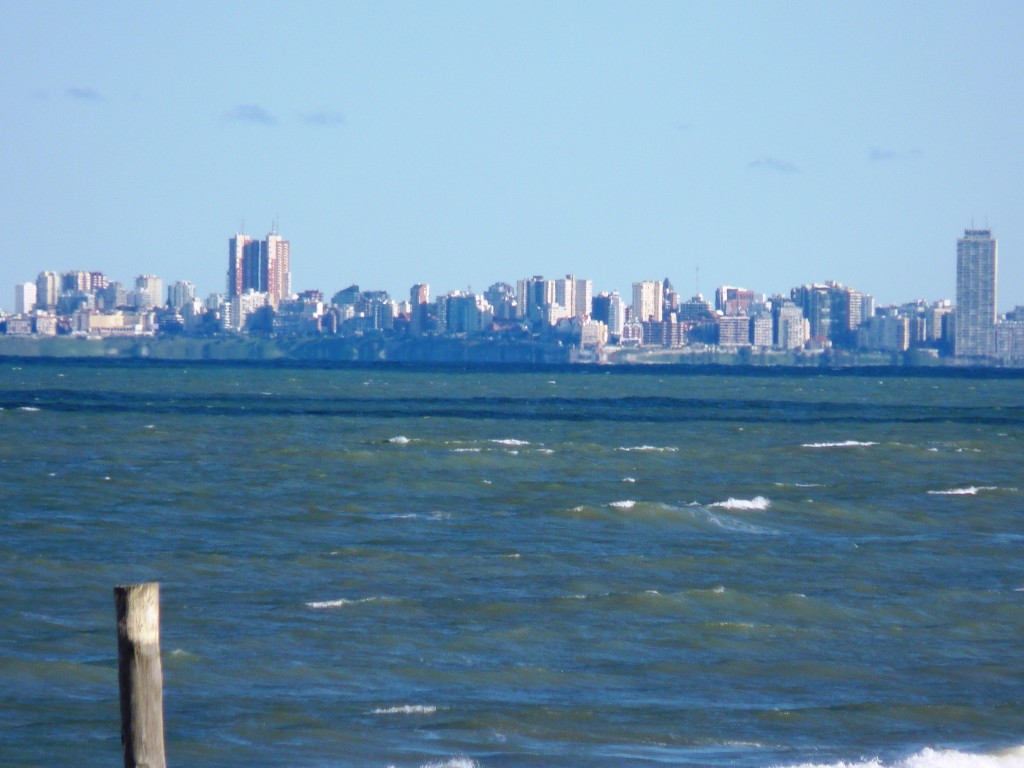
(774,164)
(880,155)
(251,113)
(324,118)
(81,93)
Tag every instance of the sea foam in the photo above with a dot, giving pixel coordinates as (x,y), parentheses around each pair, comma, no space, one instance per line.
(937,758)
(647,448)
(971,490)
(407,709)
(758,502)
(840,444)
(342,602)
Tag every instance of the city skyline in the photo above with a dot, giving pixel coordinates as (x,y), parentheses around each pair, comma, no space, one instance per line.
(759,145)
(561,315)
(264,266)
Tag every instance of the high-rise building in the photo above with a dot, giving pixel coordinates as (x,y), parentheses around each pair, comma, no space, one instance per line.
(24,298)
(47,289)
(149,291)
(730,300)
(263,266)
(975,294)
(279,267)
(237,247)
(536,298)
(419,302)
(647,301)
(180,294)
(584,294)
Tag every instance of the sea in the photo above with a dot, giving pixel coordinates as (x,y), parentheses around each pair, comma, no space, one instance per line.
(474,567)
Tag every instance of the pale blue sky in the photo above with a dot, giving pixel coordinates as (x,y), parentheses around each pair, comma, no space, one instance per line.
(465,143)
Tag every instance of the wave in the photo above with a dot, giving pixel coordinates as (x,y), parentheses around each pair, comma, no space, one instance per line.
(29,408)
(738,526)
(624,504)
(841,444)
(343,601)
(970,490)
(758,502)
(938,758)
(648,449)
(510,441)
(455,762)
(407,709)
(399,440)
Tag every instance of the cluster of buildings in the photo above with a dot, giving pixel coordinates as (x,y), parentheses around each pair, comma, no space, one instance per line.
(259,300)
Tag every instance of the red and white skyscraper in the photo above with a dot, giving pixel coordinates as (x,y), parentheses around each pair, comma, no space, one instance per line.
(263,266)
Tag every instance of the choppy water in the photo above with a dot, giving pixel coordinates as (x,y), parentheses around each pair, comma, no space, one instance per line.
(377,567)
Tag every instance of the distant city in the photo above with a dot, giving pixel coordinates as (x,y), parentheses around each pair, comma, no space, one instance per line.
(562,318)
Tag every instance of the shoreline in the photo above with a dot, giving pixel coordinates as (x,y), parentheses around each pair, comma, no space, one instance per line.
(457,353)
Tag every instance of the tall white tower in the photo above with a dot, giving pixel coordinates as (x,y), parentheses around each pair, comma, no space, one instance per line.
(975,294)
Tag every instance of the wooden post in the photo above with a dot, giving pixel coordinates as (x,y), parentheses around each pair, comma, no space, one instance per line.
(139,674)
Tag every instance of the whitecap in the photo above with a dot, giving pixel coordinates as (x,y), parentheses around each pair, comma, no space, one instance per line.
(399,440)
(342,602)
(648,448)
(465,450)
(971,490)
(841,444)
(629,479)
(510,441)
(29,408)
(545,450)
(330,603)
(455,762)
(937,758)
(624,504)
(407,709)
(758,502)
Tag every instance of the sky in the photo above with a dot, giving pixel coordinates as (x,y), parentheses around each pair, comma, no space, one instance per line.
(755,144)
